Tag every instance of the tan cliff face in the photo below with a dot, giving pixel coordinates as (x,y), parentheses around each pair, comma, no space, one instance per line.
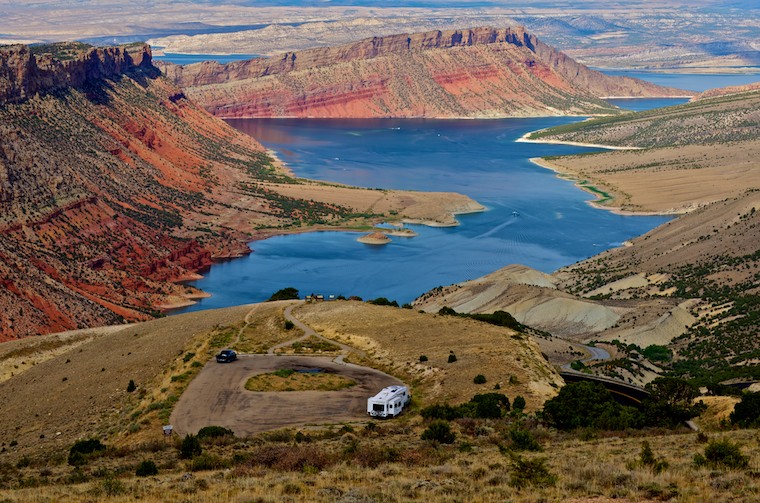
(481,72)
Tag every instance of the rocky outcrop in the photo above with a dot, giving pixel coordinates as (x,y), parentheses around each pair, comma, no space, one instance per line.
(24,74)
(481,72)
(111,188)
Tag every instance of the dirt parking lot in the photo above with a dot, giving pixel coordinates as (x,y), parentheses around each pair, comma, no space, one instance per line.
(217,396)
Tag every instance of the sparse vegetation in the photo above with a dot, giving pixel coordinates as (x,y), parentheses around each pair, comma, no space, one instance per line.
(439,431)
(190,447)
(722,454)
(146,468)
(290,380)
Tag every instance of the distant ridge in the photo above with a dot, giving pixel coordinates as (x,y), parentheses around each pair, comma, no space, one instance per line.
(479,72)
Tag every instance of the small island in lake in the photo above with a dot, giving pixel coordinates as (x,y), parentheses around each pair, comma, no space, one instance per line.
(375,238)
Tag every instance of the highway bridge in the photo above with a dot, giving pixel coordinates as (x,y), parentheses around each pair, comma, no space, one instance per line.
(624,393)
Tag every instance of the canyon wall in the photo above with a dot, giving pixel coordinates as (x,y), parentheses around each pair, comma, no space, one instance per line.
(24,74)
(111,187)
(481,72)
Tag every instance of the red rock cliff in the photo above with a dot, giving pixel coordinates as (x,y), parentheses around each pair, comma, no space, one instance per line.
(481,72)
(113,185)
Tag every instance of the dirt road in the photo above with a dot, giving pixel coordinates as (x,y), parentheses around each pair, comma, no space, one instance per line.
(217,396)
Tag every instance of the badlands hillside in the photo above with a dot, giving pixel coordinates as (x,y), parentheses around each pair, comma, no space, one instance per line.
(114,185)
(480,72)
(690,285)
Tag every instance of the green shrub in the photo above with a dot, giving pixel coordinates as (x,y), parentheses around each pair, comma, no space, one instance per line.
(81,449)
(518,403)
(490,405)
(670,402)
(131,386)
(479,379)
(214,432)
(439,431)
(722,454)
(190,447)
(203,462)
(747,412)
(288,293)
(146,468)
(523,440)
(289,325)
(657,353)
(530,473)
(452,357)
(588,405)
(441,411)
(647,459)
(382,301)
(423,358)
(113,486)
(284,373)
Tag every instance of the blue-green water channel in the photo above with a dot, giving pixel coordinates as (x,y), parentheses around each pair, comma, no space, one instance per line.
(532,218)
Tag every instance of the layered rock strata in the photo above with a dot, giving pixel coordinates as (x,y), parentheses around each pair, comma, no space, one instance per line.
(481,72)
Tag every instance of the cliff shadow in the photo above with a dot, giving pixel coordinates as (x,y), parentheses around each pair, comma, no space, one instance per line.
(97,91)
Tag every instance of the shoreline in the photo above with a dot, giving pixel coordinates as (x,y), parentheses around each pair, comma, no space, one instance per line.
(262,234)
(542,163)
(525,139)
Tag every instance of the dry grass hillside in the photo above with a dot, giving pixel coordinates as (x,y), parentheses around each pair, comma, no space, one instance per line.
(81,393)
(89,372)
(394,339)
(60,394)
(689,155)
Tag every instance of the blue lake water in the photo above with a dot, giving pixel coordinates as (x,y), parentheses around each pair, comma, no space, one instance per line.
(532,218)
(188,59)
(693,81)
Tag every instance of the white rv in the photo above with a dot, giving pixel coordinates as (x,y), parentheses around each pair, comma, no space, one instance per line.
(389,402)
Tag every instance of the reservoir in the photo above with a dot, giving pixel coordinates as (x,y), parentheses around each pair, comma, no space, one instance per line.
(532,218)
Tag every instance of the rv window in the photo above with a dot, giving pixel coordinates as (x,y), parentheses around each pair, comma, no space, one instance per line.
(378,407)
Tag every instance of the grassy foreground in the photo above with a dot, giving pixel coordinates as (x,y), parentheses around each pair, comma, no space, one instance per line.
(387,462)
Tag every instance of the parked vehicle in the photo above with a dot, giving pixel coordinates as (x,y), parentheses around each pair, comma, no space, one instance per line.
(389,402)
(226,356)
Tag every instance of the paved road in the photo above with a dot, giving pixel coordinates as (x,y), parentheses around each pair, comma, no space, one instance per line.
(597,354)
